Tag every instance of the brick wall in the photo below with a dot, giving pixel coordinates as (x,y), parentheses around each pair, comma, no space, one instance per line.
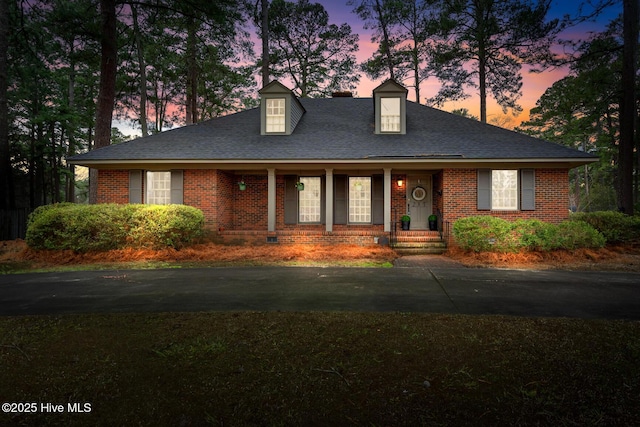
(226,208)
(113,186)
(208,190)
(227,183)
(437,184)
(460,199)
(306,236)
(398,197)
(250,205)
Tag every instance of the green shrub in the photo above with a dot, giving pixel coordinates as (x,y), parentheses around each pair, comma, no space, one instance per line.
(484,233)
(103,227)
(156,226)
(489,234)
(615,226)
(78,227)
(535,235)
(575,234)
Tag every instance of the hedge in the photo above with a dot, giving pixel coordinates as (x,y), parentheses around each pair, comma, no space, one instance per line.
(102,227)
(616,227)
(491,234)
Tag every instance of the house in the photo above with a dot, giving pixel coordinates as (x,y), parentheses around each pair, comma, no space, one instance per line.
(339,169)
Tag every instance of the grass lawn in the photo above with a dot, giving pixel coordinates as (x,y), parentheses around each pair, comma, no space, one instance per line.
(362,369)
(353,369)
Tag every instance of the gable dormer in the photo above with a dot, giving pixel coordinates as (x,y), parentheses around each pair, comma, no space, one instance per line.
(390,105)
(280,109)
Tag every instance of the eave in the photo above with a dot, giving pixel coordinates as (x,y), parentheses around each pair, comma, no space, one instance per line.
(414,162)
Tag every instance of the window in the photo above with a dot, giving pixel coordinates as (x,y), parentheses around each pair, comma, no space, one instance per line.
(504,189)
(507,189)
(360,199)
(275,120)
(390,115)
(309,208)
(158,188)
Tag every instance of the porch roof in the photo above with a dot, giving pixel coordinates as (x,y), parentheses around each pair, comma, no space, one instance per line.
(337,130)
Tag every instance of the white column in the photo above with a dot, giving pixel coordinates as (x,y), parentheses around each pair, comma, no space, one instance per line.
(271,200)
(329,200)
(387,199)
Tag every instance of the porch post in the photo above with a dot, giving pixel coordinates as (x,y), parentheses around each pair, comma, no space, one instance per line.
(329,200)
(387,200)
(271,200)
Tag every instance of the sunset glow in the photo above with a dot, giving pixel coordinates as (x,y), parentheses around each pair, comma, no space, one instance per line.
(534,85)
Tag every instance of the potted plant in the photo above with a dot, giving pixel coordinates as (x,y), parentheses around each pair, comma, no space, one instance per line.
(300,186)
(406,222)
(433,222)
(242,185)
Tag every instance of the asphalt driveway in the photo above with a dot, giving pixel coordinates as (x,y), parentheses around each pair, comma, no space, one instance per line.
(418,289)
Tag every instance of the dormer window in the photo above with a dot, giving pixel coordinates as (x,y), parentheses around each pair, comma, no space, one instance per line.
(390,115)
(390,99)
(280,110)
(276,118)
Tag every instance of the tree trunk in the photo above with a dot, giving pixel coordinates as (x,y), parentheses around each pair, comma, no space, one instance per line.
(416,71)
(265,42)
(482,77)
(627,106)
(192,75)
(40,178)
(107,91)
(386,48)
(55,177)
(480,19)
(142,66)
(7,196)
(70,184)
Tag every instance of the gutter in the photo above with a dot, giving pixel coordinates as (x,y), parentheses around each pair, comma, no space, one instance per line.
(422,160)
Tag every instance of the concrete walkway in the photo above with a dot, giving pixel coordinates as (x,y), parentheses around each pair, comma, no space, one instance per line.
(409,289)
(426,261)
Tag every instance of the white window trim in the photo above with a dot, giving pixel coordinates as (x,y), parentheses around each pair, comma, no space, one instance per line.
(495,200)
(312,194)
(269,117)
(152,194)
(398,117)
(354,212)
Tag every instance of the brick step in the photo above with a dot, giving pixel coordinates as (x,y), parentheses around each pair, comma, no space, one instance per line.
(419,239)
(417,233)
(419,251)
(416,247)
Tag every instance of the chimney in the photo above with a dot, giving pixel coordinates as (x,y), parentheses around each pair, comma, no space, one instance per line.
(344,94)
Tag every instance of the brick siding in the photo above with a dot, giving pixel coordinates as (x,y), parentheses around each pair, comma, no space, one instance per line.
(209,190)
(460,198)
(398,197)
(113,186)
(242,215)
(362,237)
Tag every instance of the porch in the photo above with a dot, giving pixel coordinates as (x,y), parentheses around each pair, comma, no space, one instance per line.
(404,242)
(329,206)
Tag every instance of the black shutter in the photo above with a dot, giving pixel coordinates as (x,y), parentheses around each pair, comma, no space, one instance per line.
(177,185)
(377,199)
(527,190)
(290,200)
(323,201)
(484,189)
(340,199)
(135,186)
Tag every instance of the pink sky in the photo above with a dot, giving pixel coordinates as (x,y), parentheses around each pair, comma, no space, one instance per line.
(534,85)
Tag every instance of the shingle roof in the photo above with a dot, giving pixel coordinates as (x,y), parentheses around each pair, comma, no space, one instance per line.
(336,129)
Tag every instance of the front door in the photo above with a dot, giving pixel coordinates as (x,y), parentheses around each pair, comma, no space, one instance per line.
(419,201)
